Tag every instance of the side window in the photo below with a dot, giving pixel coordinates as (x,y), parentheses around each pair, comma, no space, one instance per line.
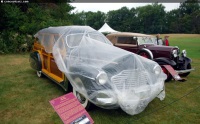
(127,40)
(97,37)
(73,40)
(48,42)
(100,38)
(40,38)
(56,38)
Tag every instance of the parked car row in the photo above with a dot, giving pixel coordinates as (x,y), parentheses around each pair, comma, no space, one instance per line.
(100,72)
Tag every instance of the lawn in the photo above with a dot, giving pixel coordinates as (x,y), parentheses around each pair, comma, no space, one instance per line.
(24,98)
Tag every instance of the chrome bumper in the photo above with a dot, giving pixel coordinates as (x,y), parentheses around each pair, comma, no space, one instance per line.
(106,98)
(184,71)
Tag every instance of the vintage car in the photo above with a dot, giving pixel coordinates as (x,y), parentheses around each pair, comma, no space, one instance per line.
(144,45)
(98,72)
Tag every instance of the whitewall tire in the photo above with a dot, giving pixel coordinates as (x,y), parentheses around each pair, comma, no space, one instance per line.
(84,101)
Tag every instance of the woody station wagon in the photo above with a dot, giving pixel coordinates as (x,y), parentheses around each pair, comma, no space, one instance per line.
(98,72)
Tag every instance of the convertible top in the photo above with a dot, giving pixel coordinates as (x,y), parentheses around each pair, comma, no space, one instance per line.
(129,34)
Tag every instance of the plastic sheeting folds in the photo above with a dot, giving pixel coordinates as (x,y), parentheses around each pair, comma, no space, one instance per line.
(106,75)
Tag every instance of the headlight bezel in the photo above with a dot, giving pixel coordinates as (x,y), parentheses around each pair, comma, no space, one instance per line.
(157,69)
(175,53)
(184,53)
(101,78)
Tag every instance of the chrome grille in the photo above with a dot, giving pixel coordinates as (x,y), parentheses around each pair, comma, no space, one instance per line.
(129,79)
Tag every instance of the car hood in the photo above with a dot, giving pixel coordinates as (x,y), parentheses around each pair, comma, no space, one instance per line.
(160,48)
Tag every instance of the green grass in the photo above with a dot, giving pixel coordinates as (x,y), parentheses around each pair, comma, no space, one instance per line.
(24,98)
(190,42)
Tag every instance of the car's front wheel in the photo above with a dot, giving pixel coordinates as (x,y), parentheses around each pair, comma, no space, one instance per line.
(84,101)
(186,74)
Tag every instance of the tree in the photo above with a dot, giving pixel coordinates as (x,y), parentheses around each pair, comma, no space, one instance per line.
(188,7)
(151,18)
(21,21)
(93,19)
(185,19)
(120,19)
(172,21)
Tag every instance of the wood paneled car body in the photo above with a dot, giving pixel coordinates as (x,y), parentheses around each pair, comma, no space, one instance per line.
(45,65)
(98,72)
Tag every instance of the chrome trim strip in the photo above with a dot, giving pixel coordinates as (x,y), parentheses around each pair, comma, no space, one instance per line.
(184,71)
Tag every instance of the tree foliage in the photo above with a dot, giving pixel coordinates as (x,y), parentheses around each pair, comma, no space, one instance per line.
(19,22)
(151,18)
(93,19)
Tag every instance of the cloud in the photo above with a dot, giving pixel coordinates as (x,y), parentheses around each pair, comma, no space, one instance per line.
(105,7)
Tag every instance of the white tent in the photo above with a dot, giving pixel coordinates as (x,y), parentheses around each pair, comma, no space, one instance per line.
(106,29)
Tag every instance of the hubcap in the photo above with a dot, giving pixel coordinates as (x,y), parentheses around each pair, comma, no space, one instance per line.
(39,73)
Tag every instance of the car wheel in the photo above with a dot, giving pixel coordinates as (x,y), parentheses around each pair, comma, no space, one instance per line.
(144,54)
(186,74)
(39,74)
(84,101)
(169,76)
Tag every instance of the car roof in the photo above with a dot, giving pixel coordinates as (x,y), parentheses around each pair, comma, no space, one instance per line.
(65,30)
(129,34)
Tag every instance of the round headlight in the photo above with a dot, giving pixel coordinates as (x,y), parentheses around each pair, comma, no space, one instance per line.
(101,78)
(157,69)
(175,53)
(184,53)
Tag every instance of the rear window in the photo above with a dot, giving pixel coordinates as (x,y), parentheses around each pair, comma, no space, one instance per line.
(127,40)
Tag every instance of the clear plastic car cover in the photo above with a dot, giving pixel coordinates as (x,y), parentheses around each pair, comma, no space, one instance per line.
(106,75)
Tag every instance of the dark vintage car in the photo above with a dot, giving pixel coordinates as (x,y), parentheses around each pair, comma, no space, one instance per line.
(99,73)
(145,45)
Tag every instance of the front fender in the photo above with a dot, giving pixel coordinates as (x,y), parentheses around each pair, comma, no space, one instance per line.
(187,60)
(88,76)
(146,50)
(184,61)
(165,61)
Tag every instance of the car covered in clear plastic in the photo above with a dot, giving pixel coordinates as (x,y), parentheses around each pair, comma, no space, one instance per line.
(99,72)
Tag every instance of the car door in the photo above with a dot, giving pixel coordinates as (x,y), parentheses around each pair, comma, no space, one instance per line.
(49,65)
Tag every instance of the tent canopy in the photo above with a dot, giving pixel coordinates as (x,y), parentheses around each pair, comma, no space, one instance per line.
(106,29)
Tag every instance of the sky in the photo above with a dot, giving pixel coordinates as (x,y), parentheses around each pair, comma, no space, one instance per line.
(105,7)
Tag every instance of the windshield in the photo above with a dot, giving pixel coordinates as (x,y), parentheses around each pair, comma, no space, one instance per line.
(146,40)
(73,40)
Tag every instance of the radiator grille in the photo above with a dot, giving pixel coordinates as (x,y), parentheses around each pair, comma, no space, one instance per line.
(129,79)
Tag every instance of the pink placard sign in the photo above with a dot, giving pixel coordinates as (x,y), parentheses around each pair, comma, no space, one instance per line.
(70,110)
